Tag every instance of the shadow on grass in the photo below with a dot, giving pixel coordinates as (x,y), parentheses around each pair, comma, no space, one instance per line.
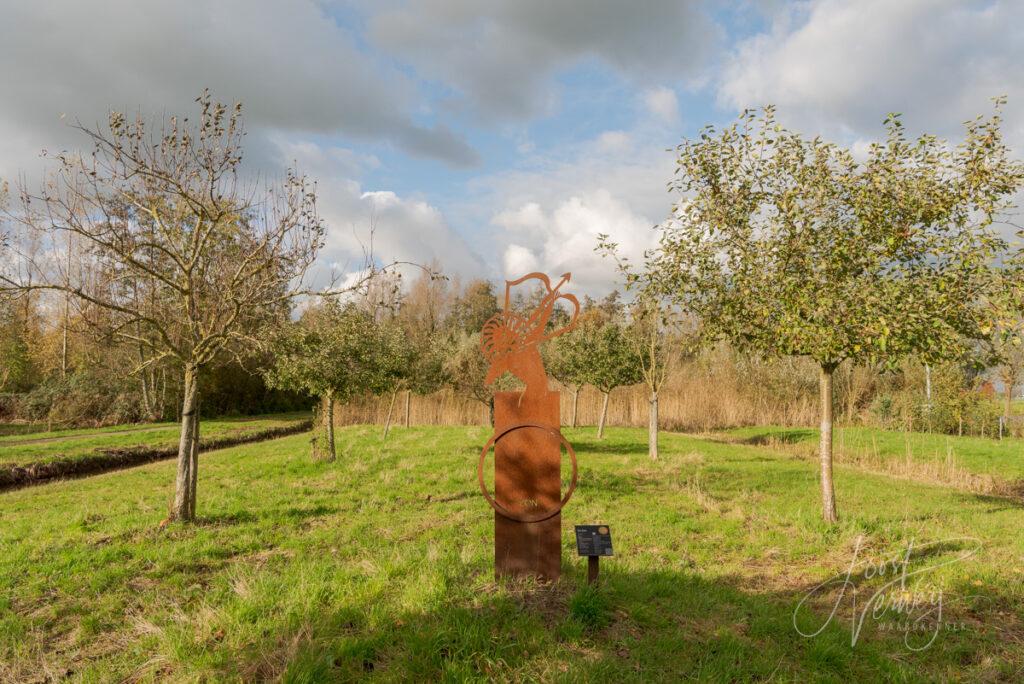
(1010,500)
(775,436)
(585,444)
(1010,497)
(663,625)
(626,483)
(293,514)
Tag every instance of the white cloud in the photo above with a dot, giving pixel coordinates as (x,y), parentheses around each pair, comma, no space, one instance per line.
(294,68)
(839,67)
(662,103)
(395,229)
(636,173)
(519,260)
(614,141)
(564,238)
(499,57)
(392,227)
(547,215)
(322,160)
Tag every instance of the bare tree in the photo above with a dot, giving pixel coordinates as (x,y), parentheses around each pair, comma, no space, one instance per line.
(190,262)
(648,331)
(663,329)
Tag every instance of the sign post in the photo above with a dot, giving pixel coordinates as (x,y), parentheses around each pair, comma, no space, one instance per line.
(593,541)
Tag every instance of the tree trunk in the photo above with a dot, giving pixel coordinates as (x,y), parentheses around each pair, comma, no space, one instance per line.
(828,494)
(575,404)
(928,396)
(64,341)
(163,392)
(193,472)
(67,317)
(604,415)
(331,452)
(652,428)
(146,404)
(1007,395)
(928,384)
(391,408)
(183,507)
(147,378)
(408,399)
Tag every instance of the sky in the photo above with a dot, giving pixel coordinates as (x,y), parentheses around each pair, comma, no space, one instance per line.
(497,137)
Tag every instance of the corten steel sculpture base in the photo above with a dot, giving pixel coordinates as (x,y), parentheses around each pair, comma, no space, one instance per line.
(527,441)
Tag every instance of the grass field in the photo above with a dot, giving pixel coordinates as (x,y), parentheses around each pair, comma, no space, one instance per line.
(13,429)
(44,447)
(988,466)
(380,565)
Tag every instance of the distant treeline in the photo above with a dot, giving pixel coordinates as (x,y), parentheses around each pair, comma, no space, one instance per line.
(90,381)
(718,388)
(722,389)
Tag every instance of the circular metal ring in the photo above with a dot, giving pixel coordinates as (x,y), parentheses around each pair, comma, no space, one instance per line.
(536,517)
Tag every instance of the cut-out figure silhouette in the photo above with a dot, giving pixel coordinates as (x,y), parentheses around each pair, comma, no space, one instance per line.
(510,341)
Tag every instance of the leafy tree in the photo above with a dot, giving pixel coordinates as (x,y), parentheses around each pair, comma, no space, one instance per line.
(233,388)
(1003,347)
(464,366)
(391,363)
(474,307)
(334,353)
(611,361)
(187,260)
(467,369)
(565,359)
(17,370)
(798,248)
(649,330)
(423,316)
(424,372)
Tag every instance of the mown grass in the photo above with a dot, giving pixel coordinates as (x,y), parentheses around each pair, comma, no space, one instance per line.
(380,565)
(45,447)
(14,429)
(16,432)
(972,464)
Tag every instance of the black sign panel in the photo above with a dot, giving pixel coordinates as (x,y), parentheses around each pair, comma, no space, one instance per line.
(593,540)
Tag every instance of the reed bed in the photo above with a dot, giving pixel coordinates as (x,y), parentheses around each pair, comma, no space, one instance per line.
(696,398)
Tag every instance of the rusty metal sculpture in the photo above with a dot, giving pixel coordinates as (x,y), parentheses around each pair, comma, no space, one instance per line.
(527,439)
